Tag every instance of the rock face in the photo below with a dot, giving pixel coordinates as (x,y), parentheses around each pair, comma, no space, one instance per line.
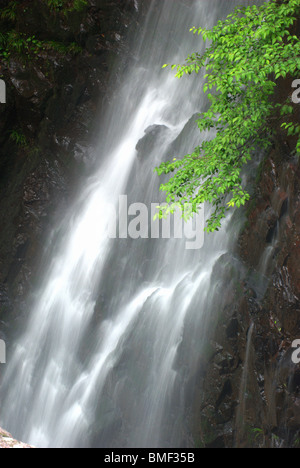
(248,390)
(48,126)
(7,441)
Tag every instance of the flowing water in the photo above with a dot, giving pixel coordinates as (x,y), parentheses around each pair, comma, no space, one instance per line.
(113,336)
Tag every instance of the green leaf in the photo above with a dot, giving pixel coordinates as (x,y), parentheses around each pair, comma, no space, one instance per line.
(248,52)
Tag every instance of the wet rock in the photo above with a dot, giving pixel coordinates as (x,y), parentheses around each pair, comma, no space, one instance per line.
(153,135)
(7,441)
(261,403)
(53,100)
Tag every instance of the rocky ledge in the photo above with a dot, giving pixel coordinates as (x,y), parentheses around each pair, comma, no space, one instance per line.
(7,441)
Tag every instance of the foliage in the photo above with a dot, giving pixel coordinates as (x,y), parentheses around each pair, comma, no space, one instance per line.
(257,432)
(297,443)
(247,53)
(18,137)
(13,42)
(10,12)
(66,6)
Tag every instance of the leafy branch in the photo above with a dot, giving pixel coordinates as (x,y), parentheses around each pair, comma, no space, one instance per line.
(248,52)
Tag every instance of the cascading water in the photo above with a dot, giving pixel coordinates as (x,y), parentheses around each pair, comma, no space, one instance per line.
(113,336)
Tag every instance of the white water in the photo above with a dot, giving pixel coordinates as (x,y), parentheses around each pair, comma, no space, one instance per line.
(113,337)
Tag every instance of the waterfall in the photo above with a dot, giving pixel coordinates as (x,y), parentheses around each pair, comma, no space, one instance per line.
(113,334)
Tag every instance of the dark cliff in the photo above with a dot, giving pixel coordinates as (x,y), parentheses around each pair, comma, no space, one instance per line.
(56,88)
(249,386)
